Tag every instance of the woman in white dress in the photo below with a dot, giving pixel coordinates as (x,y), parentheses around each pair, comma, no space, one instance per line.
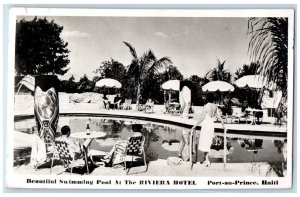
(210,111)
(185,96)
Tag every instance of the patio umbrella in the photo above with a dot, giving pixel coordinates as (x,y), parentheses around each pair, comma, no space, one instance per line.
(255,82)
(251,81)
(27,81)
(221,86)
(108,83)
(171,85)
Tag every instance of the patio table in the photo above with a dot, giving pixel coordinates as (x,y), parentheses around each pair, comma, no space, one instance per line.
(88,138)
(92,135)
(254,111)
(173,108)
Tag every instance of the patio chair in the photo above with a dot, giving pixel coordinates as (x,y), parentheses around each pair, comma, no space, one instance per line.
(238,115)
(63,154)
(127,104)
(106,104)
(149,107)
(167,106)
(117,105)
(135,147)
(140,107)
(175,110)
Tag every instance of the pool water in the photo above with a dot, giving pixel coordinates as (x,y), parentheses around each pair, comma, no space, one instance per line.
(163,141)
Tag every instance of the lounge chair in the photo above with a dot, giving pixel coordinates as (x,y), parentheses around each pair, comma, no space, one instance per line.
(135,147)
(62,153)
(127,104)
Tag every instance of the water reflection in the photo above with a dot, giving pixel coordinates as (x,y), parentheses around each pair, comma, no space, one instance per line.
(163,141)
(252,144)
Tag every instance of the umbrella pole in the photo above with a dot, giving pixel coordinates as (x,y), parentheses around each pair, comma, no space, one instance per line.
(191,148)
(19,89)
(225,144)
(17,92)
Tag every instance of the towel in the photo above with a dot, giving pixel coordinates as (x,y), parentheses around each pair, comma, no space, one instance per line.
(38,151)
(174,161)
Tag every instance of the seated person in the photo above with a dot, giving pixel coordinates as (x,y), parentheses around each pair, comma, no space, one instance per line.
(116,155)
(74,148)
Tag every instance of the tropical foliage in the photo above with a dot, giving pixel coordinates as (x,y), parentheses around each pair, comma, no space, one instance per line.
(269,46)
(198,97)
(111,69)
(44,52)
(219,73)
(39,48)
(144,67)
(251,69)
(247,96)
(172,73)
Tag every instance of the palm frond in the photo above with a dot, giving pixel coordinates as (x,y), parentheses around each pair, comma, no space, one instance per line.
(268,45)
(158,64)
(146,59)
(131,49)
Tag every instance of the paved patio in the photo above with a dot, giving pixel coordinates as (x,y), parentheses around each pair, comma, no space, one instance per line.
(158,167)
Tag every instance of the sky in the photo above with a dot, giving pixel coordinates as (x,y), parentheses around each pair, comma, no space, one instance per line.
(194,44)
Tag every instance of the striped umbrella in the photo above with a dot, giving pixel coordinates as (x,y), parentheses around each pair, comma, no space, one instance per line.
(108,83)
(27,81)
(221,86)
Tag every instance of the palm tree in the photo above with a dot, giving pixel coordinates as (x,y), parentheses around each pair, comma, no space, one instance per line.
(251,69)
(269,46)
(219,73)
(144,67)
(171,73)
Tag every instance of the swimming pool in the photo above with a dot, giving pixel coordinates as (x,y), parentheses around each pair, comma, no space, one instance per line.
(164,139)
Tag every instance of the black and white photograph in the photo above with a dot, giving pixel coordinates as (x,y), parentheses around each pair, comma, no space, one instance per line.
(150,99)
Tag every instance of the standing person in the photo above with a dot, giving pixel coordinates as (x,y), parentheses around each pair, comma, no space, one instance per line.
(210,111)
(105,102)
(185,96)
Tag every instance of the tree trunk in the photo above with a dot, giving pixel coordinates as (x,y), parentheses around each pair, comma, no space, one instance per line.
(138,94)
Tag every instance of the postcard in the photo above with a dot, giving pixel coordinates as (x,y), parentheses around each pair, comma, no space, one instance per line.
(150,99)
